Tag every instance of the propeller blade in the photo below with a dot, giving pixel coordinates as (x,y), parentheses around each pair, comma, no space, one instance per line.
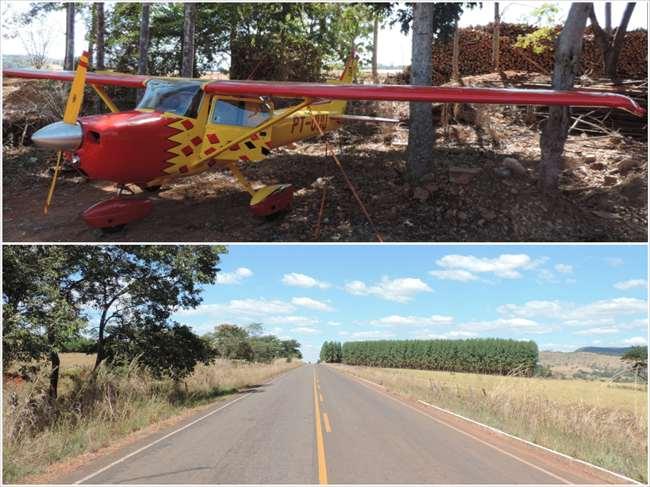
(72,109)
(50,193)
(76,96)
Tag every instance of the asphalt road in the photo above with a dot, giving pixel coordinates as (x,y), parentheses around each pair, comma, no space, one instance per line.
(362,435)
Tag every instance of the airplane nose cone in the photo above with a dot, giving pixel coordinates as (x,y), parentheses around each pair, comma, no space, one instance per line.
(58,136)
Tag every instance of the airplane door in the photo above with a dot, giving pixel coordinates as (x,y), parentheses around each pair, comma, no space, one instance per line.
(230,118)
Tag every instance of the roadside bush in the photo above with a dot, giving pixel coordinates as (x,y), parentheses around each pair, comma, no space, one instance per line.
(479,355)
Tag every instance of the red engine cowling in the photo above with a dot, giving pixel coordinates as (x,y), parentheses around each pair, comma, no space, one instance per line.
(116,212)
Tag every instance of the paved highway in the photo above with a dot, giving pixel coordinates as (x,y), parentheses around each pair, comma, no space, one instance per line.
(315,424)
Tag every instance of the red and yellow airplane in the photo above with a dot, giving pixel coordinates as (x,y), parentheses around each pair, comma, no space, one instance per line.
(183,127)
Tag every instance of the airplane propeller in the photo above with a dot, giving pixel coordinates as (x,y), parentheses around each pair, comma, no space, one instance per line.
(65,135)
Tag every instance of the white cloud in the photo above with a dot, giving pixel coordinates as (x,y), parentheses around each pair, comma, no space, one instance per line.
(334,323)
(507,266)
(401,289)
(564,268)
(513,324)
(235,277)
(635,341)
(397,320)
(614,261)
(305,330)
(240,307)
(371,335)
(558,347)
(292,320)
(598,331)
(423,335)
(602,311)
(303,280)
(630,284)
(311,304)
(454,275)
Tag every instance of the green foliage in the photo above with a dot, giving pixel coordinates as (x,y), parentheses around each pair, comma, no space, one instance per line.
(479,355)
(231,342)
(445,16)
(542,39)
(49,291)
(39,309)
(251,344)
(79,344)
(331,352)
(165,350)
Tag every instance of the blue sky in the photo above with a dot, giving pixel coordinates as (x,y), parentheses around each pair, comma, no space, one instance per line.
(561,296)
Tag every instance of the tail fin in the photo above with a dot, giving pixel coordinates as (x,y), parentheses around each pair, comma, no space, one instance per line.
(347,76)
(350,69)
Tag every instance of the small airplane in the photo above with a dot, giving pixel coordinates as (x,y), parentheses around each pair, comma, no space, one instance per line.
(183,127)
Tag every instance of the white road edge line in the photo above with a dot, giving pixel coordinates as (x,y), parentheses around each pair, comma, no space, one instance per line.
(511,455)
(139,450)
(621,476)
(530,443)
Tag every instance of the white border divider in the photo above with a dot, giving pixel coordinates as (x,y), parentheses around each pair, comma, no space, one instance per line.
(568,457)
(573,459)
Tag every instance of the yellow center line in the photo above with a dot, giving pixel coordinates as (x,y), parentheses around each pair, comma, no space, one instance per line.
(320,444)
(326,420)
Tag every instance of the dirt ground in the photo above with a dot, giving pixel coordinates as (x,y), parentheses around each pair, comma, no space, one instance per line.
(471,195)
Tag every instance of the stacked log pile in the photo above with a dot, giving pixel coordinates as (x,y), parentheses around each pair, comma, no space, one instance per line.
(476,54)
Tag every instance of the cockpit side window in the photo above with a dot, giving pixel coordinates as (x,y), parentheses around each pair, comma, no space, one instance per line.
(180,98)
(242,113)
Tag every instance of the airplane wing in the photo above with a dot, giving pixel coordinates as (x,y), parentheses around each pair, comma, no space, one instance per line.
(101,78)
(504,96)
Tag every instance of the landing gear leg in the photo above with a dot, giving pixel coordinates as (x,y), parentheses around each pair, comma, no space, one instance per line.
(268,200)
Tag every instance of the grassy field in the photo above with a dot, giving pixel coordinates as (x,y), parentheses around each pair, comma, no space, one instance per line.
(601,424)
(91,415)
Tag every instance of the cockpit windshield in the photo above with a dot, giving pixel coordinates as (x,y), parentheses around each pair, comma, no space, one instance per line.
(179,97)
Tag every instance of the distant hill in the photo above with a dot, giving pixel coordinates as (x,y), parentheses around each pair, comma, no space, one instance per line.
(615,351)
(585,365)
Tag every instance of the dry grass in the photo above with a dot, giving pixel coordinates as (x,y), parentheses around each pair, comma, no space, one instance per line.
(90,415)
(606,426)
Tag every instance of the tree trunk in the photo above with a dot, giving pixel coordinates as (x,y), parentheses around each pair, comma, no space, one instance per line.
(611,46)
(143,46)
(100,338)
(68,61)
(496,38)
(187,66)
(455,70)
(567,59)
(91,33)
(421,132)
(608,17)
(54,375)
(99,36)
(375,48)
(611,57)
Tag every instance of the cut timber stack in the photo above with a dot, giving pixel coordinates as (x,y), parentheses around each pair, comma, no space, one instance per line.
(476,54)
